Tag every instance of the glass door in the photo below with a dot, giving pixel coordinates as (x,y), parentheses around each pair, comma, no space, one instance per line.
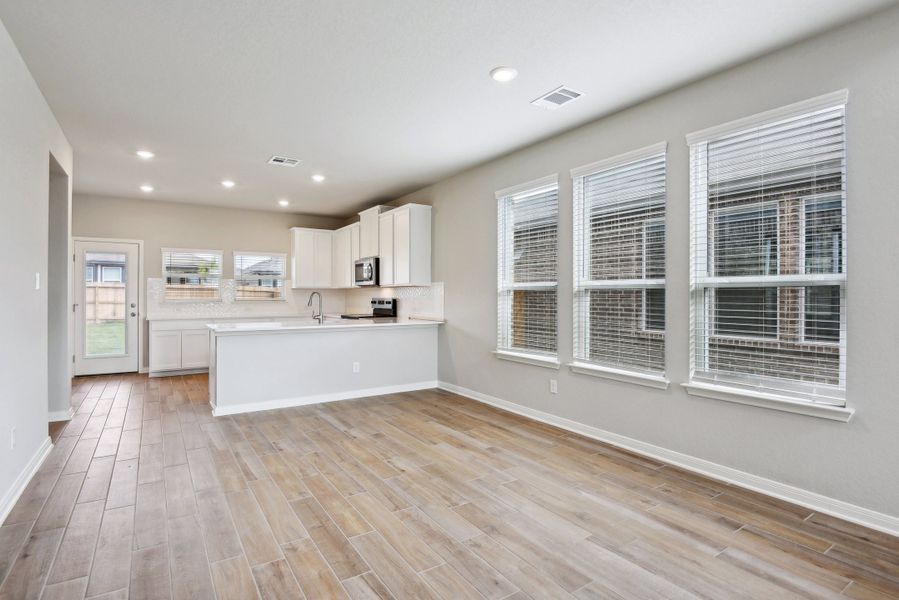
(106,307)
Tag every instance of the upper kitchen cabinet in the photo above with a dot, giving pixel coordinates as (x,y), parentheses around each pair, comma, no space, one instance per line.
(405,245)
(368,231)
(310,261)
(344,252)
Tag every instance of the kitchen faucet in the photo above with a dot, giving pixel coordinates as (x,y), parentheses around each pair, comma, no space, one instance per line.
(320,317)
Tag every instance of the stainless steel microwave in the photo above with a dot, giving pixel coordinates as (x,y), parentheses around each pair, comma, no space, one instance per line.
(366,271)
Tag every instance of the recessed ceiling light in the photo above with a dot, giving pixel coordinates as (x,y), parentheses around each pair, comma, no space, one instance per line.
(145,154)
(318,178)
(146,188)
(228,183)
(504,74)
(283,202)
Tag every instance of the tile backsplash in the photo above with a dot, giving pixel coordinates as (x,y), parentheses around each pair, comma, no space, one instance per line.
(293,305)
(423,301)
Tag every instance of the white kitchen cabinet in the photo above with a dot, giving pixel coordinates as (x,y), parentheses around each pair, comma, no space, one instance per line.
(341,258)
(355,249)
(321,276)
(178,345)
(310,261)
(369,231)
(385,249)
(405,245)
(195,348)
(165,351)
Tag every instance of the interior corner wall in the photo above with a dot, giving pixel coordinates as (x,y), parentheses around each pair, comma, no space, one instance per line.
(856,462)
(59,294)
(182,225)
(29,134)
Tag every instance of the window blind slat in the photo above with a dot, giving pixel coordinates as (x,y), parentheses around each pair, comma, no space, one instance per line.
(527,256)
(768,220)
(191,274)
(619,254)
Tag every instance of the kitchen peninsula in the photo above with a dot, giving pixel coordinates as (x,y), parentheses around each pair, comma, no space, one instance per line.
(274,364)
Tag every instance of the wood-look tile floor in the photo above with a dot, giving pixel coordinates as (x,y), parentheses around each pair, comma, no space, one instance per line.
(416,495)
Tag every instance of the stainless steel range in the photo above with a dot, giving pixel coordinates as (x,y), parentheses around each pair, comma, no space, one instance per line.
(381,308)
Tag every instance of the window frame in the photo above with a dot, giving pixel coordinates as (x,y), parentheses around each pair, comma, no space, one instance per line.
(505,267)
(582,284)
(218,288)
(793,394)
(282,297)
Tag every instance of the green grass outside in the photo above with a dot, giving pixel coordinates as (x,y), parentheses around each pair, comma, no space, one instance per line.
(105,338)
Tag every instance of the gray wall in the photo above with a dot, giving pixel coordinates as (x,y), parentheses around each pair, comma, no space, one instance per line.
(29,134)
(856,462)
(59,300)
(175,225)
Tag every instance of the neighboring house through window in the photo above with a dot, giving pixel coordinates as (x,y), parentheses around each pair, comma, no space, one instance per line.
(259,275)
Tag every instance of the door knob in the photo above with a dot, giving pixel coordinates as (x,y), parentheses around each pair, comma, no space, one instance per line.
(133,314)
(133,305)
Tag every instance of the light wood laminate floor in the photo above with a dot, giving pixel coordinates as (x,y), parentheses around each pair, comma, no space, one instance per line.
(415,495)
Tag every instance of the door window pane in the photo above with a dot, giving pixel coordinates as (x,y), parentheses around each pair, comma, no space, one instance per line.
(105,304)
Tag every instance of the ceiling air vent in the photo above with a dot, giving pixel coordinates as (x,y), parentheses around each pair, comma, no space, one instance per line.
(556,98)
(283,161)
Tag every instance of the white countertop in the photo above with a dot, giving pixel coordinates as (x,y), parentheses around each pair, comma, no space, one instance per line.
(310,325)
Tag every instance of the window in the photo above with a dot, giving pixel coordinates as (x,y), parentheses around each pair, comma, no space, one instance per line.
(112,274)
(259,275)
(191,274)
(768,278)
(527,253)
(619,255)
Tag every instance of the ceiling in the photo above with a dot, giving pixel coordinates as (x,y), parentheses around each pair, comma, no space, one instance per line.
(382,97)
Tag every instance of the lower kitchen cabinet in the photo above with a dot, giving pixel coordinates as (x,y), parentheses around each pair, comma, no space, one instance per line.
(178,346)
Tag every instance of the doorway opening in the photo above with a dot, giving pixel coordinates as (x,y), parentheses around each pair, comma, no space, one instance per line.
(59,273)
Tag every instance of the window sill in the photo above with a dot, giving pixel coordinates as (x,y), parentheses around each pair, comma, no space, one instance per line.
(528,359)
(653,381)
(190,300)
(772,401)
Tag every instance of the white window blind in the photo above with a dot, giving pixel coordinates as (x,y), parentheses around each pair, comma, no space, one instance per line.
(527,254)
(619,261)
(259,275)
(191,274)
(768,277)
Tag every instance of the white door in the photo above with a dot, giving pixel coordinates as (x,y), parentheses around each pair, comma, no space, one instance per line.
(106,307)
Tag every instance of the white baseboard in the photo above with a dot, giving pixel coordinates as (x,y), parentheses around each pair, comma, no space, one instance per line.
(814,501)
(61,415)
(220,411)
(21,482)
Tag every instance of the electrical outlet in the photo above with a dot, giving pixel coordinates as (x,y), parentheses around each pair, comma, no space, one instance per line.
(37,280)
(553,386)
(12,438)
(355,367)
